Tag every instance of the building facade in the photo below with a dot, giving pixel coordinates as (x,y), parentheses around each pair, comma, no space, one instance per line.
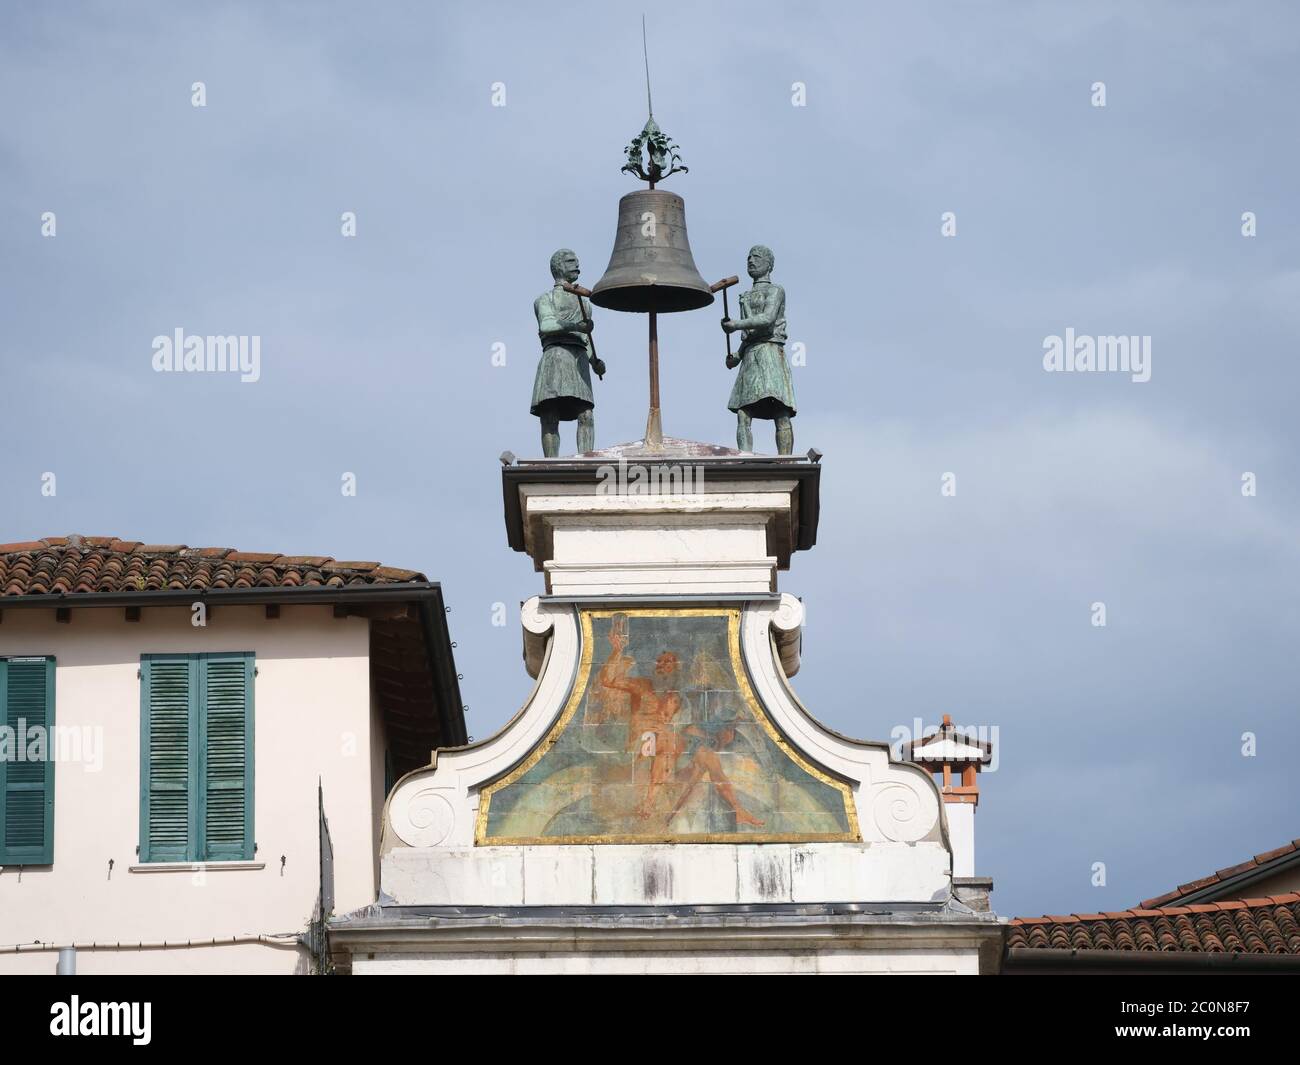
(663,802)
(175,720)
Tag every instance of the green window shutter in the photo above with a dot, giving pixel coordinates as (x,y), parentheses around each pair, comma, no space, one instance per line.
(27,786)
(169,712)
(227,777)
(196,762)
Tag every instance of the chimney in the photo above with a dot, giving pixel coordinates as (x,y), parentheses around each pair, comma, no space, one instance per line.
(958,757)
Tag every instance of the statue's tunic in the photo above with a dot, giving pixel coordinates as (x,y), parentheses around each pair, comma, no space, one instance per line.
(763,385)
(564,375)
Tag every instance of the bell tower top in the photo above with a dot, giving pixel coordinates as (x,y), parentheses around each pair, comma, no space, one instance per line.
(698,520)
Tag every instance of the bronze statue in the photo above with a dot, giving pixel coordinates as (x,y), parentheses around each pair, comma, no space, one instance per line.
(763,388)
(562,390)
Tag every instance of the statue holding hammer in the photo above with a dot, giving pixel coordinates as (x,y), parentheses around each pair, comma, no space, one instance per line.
(562,389)
(763,388)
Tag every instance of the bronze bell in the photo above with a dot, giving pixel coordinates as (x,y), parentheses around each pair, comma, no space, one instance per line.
(651,267)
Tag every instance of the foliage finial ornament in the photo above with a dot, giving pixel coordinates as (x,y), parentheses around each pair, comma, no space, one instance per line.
(652,155)
(664,158)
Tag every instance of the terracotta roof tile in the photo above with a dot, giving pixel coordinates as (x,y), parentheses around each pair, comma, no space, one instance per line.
(1160,900)
(1224,874)
(1233,870)
(88,564)
(1268,856)
(392,573)
(22,545)
(1241,926)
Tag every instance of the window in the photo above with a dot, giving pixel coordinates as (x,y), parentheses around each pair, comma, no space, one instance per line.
(27,761)
(196,757)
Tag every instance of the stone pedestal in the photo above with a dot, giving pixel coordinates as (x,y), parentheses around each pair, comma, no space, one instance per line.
(662,801)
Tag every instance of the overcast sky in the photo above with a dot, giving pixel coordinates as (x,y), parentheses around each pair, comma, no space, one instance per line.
(1119,744)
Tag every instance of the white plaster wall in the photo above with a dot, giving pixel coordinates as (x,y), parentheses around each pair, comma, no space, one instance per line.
(663,538)
(312,719)
(961,830)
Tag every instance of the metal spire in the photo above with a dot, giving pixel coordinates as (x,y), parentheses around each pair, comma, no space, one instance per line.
(645,54)
(664,158)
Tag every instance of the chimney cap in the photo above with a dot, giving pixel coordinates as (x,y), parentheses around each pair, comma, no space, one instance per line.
(947,745)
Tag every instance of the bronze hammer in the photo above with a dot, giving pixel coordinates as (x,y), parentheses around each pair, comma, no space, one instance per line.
(722,286)
(580,292)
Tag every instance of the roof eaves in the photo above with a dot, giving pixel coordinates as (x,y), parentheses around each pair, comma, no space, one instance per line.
(253,596)
(1234,879)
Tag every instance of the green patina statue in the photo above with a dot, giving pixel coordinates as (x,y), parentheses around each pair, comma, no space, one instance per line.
(763,388)
(562,390)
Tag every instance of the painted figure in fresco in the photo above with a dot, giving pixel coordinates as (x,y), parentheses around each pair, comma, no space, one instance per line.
(679,755)
(666,740)
(562,389)
(763,388)
(702,761)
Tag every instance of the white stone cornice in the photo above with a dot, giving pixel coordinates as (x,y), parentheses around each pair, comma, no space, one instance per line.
(713,523)
(664,577)
(719,942)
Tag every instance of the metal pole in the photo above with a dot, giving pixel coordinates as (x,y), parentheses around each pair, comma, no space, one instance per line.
(654,433)
(726,310)
(67,962)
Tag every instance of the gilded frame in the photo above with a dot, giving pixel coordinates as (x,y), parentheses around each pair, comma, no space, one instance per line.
(732,614)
